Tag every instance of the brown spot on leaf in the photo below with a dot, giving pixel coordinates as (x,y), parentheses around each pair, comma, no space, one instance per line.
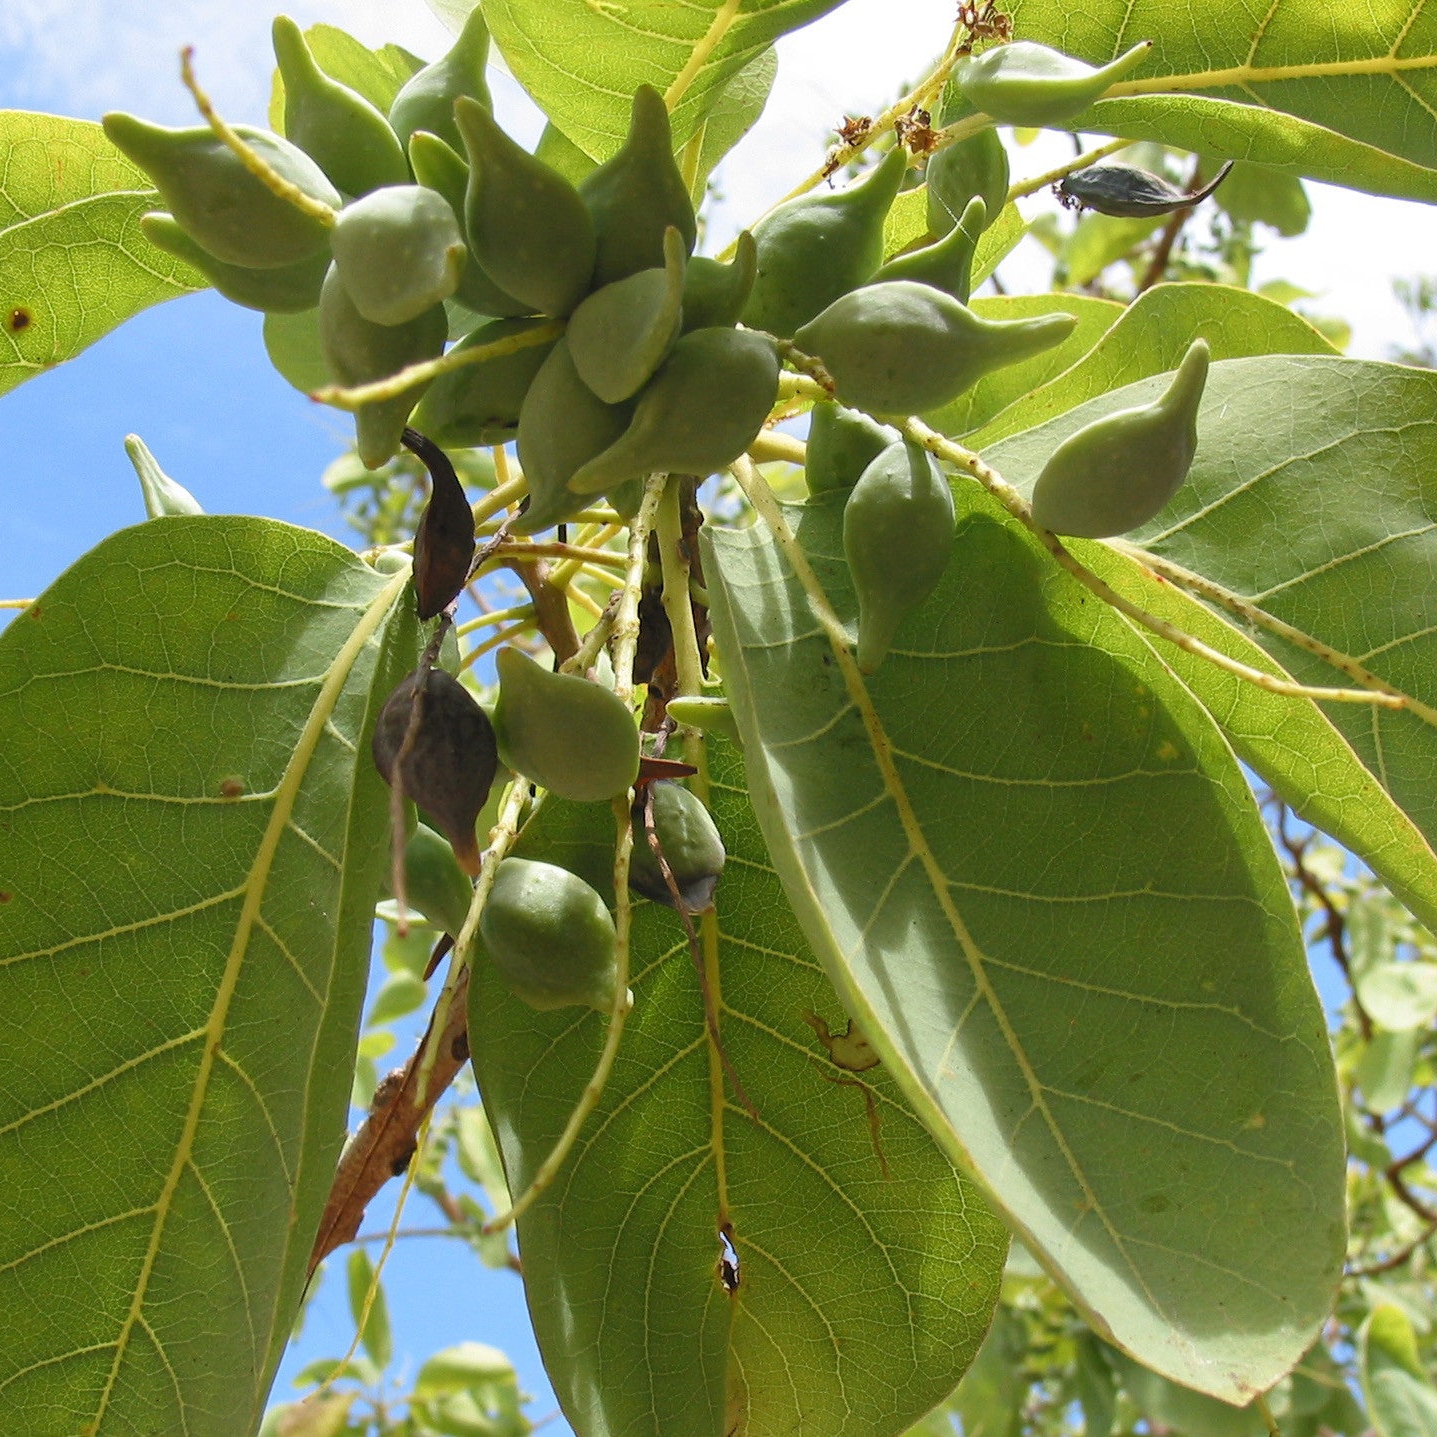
(232,786)
(4,896)
(18,319)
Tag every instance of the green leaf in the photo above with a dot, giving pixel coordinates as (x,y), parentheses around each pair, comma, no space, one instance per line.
(458,1368)
(1399,1395)
(1384,1071)
(989,1400)
(1151,337)
(734,114)
(292,343)
(1399,996)
(1094,1386)
(1044,889)
(400,993)
(73,261)
(1098,241)
(189,866)
(1169,1407)
(868,1267)
(1258,194)
(366,1291)
(1013,384)
(1345,97)
(1313,491)
(583,61)
(906,227)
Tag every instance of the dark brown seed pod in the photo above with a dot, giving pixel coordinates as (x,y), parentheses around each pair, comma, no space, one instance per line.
(1128,192)
(449,765)
(444,540)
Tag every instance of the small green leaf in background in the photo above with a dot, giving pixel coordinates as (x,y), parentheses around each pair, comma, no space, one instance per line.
(73,261)
(1258,194)
(1033,869)
(368,1308)
(1399,1394)
(177,1036)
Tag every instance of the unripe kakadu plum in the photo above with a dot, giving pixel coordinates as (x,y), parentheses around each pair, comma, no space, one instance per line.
(901,347)
(562,425)
(715,293)
(220,205)
(947,264)
(481,402)
(620,334)
(570,736)
(691,846)
(426,100)
(637,195)
(973,168)
(358,351)
(286,289)
(897,536)
(434,884)
(398,251)
(700,411)
(842,443)
(336,126)
(1028,84)
(443,169)
(527,226)
(1118,472)
(451,763)
(550,938)
(818,246)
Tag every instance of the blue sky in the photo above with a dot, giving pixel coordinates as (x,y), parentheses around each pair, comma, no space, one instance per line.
(192,379)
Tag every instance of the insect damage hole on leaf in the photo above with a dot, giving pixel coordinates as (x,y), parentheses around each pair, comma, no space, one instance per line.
(728,1268)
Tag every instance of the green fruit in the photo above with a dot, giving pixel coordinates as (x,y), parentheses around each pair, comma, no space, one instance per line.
(426,101)
(1030,84)
(711,715)
(975,167)
(901,347)
(450,765)
(336,126)
(842,443)
(434,884)
(218,202)
(399,251)
(358,351)
(948,263)
(549,937)
(528,228)
(287,289)
(570,736)
(691,845)
(164,497)
(620,334)
(699,412)
(1118,472)
(637,195)
(481,403)
(443,169)
(562,425)
(714,293)
(897,536)
(816,247)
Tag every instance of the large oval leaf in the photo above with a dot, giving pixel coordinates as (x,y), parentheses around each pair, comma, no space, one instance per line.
(1032,867)
(73,261)
(1345,95)
(868,1266)
(189,866)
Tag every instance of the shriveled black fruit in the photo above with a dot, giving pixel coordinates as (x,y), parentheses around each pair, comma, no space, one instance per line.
(550,937)
(480,403)
(426,101)
(620,334)
(399,251)
(1131,193)
(691,846)
(902,347)
(637,195)
(562,425)
(452,761)
(842,443)
(287,289)
(700,411)
(819,246)
(444,540)
(714,293)
(218,202)
(527,226)
(947,264)
(440,167)
(336,126)
(975,167)
(359,351)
